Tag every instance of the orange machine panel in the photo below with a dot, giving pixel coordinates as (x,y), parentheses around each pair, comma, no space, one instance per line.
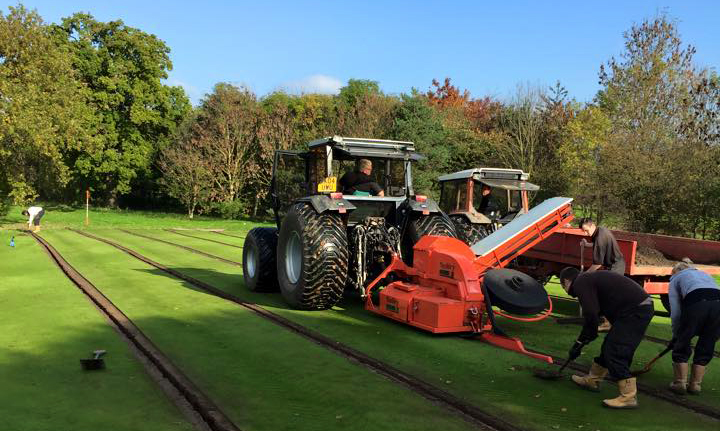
(395,300)
(438,312)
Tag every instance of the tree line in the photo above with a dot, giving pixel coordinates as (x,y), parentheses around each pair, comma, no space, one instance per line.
(83,105)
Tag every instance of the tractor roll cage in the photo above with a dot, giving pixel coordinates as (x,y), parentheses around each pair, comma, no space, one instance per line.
(324,157)
(497,178)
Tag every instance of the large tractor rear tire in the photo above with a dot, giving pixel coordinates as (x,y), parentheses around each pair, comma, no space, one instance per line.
(259,264)
(468,232)
(437,224)
(312,258)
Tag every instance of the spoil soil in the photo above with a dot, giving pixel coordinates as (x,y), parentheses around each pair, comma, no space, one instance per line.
(651,257)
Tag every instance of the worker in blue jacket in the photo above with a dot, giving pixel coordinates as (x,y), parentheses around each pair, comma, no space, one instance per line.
(695,311)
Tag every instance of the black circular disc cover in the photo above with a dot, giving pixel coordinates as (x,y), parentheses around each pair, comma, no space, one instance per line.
(515,292)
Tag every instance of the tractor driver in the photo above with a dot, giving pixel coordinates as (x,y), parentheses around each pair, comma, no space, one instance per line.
(359,182)
(487,203)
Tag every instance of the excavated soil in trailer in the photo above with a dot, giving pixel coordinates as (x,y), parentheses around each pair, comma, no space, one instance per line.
(648,256)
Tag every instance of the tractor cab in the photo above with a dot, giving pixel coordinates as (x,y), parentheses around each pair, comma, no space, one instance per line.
(481,200)
(319,171)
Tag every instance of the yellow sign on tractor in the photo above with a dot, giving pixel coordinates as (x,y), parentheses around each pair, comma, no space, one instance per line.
(328,186)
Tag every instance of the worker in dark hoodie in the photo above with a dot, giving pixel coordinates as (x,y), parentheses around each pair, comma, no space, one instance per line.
(628,308)
(695,311)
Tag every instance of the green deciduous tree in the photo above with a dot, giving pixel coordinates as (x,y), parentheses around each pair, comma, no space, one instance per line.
(579,155)
(135,114)
(43,115)
(657,152)
(415,120)
(186,175)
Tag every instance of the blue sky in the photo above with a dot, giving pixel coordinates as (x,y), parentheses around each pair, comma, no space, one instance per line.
(487,47)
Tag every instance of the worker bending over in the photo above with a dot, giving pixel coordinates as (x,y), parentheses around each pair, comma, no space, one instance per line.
(629,308)
(695,311)
(34,215)
(359,182)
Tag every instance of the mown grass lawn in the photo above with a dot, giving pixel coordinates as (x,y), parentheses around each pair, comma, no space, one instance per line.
(47,326)
(264,377)
(62,216)
(267,378)
(490,377)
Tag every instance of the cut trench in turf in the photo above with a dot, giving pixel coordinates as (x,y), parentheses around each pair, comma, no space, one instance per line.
(440,397)
(648,390)
(187,393)
(227,234)
(199,237)
(191,250)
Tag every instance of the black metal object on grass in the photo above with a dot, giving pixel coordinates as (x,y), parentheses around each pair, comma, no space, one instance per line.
(94,363)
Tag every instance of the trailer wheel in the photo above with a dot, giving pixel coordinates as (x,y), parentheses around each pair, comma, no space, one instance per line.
(467,231)
(312,258)
(259,264)
(419,226)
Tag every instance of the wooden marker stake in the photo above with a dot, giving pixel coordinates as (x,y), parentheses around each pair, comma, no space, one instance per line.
(87,207)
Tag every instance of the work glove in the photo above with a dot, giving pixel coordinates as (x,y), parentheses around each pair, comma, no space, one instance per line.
(575,350)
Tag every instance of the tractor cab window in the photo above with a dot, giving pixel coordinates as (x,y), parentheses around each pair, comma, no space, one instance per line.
(453,196)
(395,178)
(515,201)
(495,202)
(289,182)
(388,174)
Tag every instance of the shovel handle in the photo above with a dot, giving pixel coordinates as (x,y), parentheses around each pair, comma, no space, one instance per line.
(649,365)
(565,364)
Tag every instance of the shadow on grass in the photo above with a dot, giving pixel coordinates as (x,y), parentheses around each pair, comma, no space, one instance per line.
(231,283)
(44,387)
(351,305)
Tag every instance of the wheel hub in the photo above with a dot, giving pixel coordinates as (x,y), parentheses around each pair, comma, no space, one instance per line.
(251,263)
(293,261)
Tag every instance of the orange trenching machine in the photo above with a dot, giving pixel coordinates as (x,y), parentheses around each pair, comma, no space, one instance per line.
(452,287)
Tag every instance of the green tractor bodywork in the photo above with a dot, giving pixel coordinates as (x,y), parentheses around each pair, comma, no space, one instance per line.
(326,241)
(461,197)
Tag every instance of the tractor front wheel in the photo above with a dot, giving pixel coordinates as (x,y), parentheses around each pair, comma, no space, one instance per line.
(468,231)
(312,258)
(259,259)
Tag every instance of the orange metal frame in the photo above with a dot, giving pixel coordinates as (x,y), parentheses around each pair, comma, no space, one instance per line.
(443,291)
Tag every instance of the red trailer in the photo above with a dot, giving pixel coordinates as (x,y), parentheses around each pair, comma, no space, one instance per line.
(649,258)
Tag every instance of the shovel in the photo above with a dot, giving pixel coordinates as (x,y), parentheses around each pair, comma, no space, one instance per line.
(545,374)
(650,364)
(95,363)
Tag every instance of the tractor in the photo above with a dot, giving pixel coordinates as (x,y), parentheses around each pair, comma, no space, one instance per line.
(481,200)
(325,241)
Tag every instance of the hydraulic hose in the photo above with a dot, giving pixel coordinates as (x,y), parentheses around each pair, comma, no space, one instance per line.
(545,314)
